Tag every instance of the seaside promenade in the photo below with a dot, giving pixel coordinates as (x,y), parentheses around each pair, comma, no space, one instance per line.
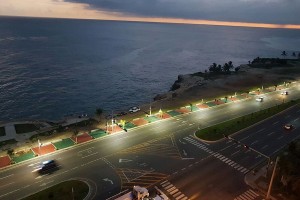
(26,150)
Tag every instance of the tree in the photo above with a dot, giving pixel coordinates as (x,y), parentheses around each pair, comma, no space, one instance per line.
(230,65)
(99,112)
(226,67)
(75,133)
(275,87)
(299,55)
(294,54)
(283,53)
(213,68)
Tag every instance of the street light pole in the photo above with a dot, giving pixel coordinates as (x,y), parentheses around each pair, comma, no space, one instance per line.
(272,178)
(112,121)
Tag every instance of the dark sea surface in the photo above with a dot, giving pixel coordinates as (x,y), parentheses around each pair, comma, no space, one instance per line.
(55,67)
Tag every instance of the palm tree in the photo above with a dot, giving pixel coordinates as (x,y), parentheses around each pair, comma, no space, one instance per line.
(294,54)
(226,67)
(230,65)
(283,54)
(219,68)
(275,87)
(213,68)
(75,133)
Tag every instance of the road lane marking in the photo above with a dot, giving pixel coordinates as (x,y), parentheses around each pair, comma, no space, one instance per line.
(271,133)
(275,122)
(89,155)
(256,141)
(169,186)
(9,193)
(280,137)
(295,119)
(235,152)
(265,146)
(260,130)
(6,176)
(182,195)
(7,184)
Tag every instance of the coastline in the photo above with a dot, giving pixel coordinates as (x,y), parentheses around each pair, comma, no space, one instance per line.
(193,89)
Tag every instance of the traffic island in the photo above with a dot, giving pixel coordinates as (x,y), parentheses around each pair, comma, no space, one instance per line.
(67,190)
(229,127)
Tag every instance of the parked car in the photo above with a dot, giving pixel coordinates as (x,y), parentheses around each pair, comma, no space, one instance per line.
(288,127)
(110,116)
(285,93)
(121,113)
(260,99)
(134,109)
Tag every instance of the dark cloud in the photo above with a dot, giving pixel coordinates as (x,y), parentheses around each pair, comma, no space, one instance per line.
(265,11)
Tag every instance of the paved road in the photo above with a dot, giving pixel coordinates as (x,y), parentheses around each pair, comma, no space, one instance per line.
(151,154)
(221,172)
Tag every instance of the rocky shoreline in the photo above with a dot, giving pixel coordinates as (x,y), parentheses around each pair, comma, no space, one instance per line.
(264,72)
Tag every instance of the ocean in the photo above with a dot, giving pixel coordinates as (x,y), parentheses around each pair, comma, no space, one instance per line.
(50,68)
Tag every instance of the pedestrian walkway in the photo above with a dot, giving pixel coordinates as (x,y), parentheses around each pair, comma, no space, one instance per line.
(82,138)
(173,113)
(4,161)
(64,143)
(97,133)
(217,155)
(43,149)
(173,191)
(151,119)
(22,157)
(249,195)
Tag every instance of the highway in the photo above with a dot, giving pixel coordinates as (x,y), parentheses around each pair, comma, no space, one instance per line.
(165,151)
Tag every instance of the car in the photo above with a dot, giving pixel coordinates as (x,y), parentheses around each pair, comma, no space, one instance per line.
(288,127)
(134,109)
(260,99)
(284,93)
(121,113)
(46,167)
(110,116)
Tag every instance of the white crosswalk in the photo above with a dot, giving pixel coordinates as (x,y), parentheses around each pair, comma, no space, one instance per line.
(173,191)
(248,195)
(217,155)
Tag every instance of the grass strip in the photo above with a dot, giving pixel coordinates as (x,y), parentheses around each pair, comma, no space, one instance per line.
(217,131)
(62,191)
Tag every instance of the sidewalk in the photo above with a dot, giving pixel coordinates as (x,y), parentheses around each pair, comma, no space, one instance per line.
(260,182)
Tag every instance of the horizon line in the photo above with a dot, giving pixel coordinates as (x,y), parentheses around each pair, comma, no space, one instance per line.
(177,21)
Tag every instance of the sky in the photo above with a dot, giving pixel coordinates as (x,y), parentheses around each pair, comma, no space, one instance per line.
(251,13)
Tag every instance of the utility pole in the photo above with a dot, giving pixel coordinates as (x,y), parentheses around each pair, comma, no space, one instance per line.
(272,178)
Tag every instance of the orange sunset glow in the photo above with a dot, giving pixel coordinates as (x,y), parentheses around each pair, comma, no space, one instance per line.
(62,9)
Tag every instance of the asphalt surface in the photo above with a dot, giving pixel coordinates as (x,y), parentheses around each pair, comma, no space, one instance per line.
(166,151)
